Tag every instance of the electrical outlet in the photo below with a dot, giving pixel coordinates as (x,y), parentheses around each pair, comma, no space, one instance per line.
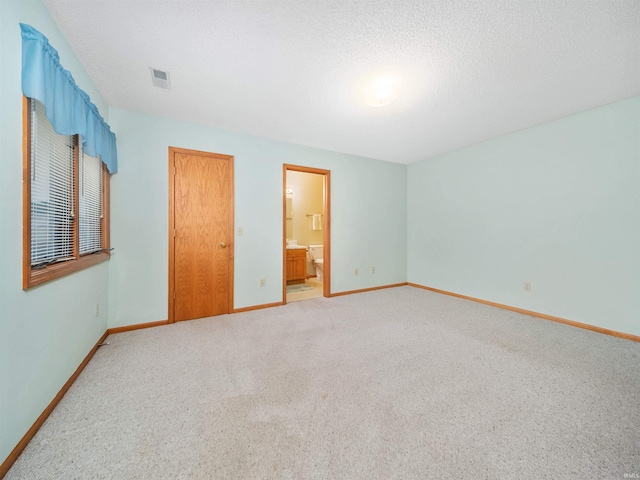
(240,231)
(263,282)
(373,270)
(97,309)
(526,286)
(355,271)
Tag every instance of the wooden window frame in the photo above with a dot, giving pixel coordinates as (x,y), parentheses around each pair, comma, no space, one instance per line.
(33,277)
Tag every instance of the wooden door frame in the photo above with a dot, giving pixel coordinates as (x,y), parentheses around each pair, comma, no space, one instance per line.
(172,224)
(326,234)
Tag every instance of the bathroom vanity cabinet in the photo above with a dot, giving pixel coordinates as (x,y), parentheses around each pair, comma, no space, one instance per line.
(296,265)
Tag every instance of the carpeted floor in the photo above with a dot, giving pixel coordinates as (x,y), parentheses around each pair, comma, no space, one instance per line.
(399,383)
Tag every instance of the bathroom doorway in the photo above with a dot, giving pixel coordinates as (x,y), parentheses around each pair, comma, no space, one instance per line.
(306,218)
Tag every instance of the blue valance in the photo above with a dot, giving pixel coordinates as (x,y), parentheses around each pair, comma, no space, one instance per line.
(68,108)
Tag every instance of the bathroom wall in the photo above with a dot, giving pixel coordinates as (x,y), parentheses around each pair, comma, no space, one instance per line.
(368,215)
(47,331)
(557,205)
(307,199)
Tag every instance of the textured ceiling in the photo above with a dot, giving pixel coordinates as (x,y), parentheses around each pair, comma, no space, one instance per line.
(296,71)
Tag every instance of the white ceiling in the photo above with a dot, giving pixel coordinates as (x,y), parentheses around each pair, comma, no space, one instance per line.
(293,70)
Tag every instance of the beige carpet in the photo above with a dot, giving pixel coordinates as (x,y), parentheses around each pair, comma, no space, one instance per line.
(392,384)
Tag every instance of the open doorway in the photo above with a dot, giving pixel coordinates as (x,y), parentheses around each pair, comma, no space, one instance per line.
(306,238)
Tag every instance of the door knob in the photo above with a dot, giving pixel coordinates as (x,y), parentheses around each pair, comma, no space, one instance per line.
(223,245)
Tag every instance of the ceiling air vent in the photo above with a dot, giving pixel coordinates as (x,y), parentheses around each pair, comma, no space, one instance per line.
(160,79)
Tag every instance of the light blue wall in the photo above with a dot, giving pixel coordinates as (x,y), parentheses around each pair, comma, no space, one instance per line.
(45,333)
(557,205)
(368,215)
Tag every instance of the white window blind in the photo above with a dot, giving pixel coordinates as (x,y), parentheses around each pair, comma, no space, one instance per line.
(51,191)
(90,203)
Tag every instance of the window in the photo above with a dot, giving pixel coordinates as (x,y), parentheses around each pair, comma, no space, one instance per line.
(66,202)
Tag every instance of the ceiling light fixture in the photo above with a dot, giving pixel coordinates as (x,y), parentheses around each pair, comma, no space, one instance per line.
(381,90)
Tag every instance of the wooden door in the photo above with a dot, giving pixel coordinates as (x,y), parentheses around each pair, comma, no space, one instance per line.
(201,250)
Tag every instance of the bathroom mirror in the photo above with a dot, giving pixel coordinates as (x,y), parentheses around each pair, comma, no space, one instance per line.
(289,217)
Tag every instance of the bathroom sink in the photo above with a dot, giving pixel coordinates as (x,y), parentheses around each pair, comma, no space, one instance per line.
(293,244)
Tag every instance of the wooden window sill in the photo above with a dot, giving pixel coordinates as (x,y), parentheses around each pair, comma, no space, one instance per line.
(40,276)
